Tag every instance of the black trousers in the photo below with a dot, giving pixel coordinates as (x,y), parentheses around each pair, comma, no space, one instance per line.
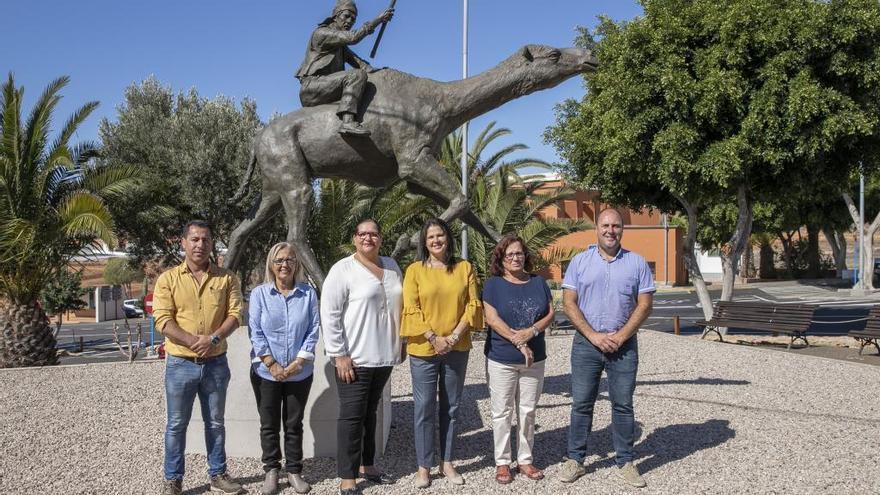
(356,427)
(281,403)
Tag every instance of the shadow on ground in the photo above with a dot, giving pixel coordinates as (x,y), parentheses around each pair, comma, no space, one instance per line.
(474,434)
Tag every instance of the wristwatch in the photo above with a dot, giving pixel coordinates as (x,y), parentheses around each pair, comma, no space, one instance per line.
(215,340)
(535,331)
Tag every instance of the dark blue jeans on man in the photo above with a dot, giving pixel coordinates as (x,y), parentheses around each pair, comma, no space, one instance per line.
(184,380)
(587,363)
(447,370)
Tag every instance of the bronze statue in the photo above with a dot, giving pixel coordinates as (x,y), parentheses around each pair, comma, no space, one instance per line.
(323,75)
(409,117)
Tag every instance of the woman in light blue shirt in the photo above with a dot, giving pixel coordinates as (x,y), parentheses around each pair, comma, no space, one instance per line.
(283,326)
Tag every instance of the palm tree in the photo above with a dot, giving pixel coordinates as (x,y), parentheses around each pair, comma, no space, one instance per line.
(509,201)
(340,204)
(51,208)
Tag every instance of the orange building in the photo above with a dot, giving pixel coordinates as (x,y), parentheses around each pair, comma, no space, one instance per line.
(646,232)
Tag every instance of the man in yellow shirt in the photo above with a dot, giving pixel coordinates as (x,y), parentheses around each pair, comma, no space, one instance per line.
(197,305)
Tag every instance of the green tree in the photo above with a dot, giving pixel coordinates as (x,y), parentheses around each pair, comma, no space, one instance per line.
(709,106)
(192,151)
(63,293)
(52,207)
(122,271)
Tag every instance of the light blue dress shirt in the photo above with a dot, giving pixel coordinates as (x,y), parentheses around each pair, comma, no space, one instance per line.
(285,327)
(607,291)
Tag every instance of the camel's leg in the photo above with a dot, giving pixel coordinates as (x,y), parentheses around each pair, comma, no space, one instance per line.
(470,218)
(266,207)
(297,201)
(426,174)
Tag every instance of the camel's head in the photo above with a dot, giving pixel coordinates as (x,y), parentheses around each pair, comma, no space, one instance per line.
(570,60)
(547,66)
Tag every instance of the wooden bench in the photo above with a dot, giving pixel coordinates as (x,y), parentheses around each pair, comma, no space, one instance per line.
(790,319)
(870,333)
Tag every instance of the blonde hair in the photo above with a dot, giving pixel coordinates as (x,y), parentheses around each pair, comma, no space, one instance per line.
(297,268)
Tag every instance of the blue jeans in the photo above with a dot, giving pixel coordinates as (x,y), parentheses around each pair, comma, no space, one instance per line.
(587,363)
(184,380)
(449,370)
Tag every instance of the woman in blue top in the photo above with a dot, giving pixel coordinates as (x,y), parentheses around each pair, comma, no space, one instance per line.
(283,326)
(518,309)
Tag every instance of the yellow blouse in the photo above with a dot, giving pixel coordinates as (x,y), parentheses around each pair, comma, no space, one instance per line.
(435,299)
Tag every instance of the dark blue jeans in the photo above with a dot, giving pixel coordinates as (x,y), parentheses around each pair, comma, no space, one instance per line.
(184,380)
(587,363)
(448,371)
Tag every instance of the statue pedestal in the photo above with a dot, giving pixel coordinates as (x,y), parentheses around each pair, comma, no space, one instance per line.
(243,421)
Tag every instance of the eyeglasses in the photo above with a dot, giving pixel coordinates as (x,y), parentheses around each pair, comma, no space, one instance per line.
(364,235)
(510,256)
(281,261)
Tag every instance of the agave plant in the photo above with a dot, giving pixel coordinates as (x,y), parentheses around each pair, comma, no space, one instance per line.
(51,208)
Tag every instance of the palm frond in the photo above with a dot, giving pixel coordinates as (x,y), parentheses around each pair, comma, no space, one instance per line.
(85,214)
(110,181)
(78,117)
(37,127)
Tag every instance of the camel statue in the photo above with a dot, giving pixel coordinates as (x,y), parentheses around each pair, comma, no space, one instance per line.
(408,118)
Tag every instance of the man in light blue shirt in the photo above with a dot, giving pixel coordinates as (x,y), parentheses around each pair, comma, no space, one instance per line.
(607,293)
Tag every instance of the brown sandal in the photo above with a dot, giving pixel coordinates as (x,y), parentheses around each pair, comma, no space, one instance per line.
(531,471)
(503,474)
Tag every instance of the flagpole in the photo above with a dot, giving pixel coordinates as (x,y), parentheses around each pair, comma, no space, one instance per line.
(464,135)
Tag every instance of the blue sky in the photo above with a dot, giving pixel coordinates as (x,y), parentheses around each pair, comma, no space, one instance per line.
(252,49)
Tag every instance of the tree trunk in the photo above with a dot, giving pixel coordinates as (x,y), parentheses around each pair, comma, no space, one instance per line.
(57,326)
(767,267)
(867,249)
(838,248)
(690,260)
(841,241)
(738,242)
(787,241)
(813,262)
(25,336)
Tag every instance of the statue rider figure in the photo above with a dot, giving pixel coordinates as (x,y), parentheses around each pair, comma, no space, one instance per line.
(323,75)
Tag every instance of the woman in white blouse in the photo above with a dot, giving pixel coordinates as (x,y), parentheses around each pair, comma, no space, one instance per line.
(361,305)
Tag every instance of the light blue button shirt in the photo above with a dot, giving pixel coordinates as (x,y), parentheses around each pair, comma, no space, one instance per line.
(607,291)
(285,327)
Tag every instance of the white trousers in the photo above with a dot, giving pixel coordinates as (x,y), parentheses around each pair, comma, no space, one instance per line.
(514,387)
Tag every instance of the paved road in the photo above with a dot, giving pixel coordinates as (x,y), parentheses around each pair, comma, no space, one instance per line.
(97,340)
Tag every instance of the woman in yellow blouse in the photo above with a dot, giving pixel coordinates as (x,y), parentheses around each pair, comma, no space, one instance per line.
(441,305)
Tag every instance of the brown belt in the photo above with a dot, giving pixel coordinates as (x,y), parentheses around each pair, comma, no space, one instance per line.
(199,360)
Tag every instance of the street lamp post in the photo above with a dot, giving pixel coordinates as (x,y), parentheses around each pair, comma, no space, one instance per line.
(464,135)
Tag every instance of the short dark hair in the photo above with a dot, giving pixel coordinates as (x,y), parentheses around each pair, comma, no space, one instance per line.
(496,266)
(422,251)
(200,224)
(365,220)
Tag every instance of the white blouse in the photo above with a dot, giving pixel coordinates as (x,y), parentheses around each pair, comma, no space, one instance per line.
(360,314)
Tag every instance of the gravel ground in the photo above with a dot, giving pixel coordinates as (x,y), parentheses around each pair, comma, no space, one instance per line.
(712,418)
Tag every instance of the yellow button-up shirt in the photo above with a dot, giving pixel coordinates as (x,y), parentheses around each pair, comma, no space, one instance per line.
(198,308)
(437,300)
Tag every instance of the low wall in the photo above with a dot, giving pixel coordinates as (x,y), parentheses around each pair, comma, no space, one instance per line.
(243,421)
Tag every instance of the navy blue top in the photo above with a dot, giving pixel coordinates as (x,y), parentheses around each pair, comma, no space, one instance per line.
(519,306)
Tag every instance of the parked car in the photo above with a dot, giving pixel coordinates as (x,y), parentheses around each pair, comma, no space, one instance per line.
(132,309)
